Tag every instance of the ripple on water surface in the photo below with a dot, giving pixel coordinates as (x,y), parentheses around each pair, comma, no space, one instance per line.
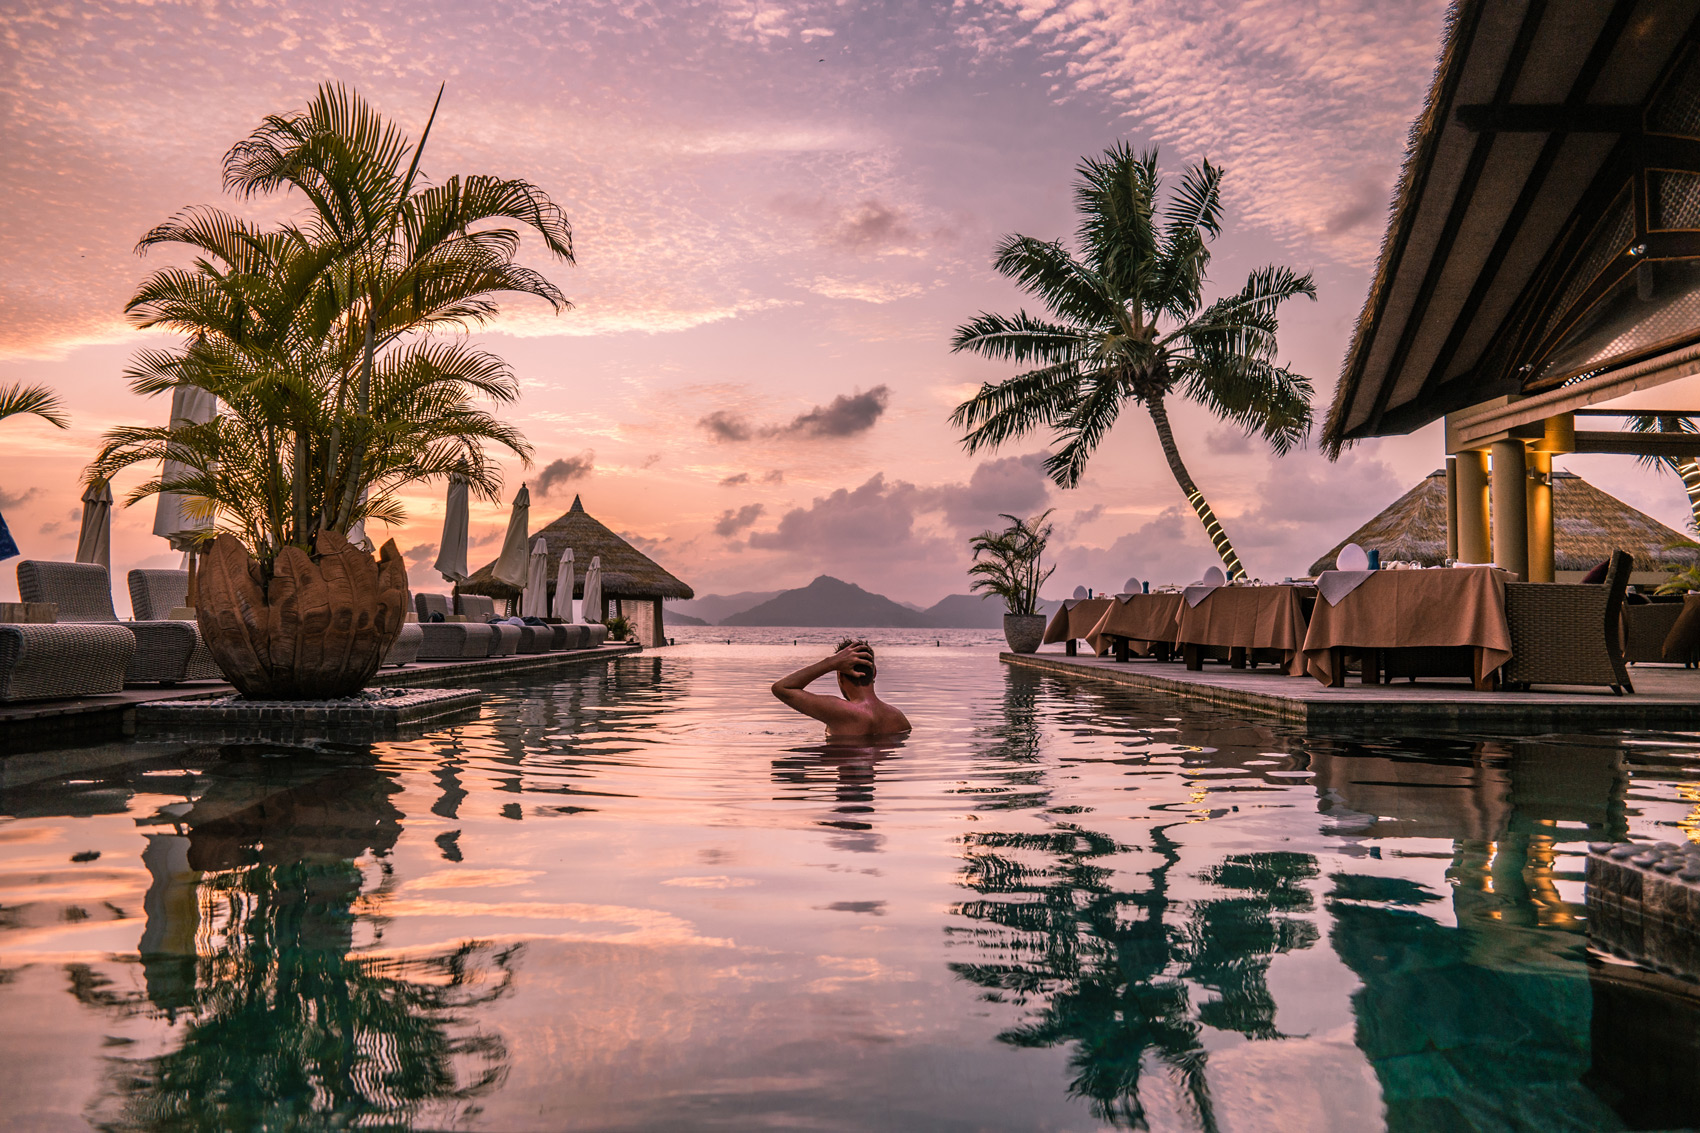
(647,896)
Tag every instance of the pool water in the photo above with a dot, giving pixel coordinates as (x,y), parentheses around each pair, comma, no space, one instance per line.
(647,897)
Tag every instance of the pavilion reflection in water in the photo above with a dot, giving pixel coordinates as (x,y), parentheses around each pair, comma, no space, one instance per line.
(1484,1023)
(249,946)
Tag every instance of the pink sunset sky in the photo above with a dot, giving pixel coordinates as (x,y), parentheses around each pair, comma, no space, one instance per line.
(781,211)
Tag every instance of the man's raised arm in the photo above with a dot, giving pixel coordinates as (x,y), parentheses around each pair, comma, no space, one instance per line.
(793,689)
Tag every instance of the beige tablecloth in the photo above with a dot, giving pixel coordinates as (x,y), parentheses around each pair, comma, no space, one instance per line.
(1143,619)
(1076,619)
(1249,617)
(1395,608)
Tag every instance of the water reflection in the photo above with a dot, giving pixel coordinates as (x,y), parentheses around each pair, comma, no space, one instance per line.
(840,771)
(254,896)
(1483,1023)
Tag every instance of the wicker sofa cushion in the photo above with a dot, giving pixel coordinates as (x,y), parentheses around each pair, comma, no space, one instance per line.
(455,641)
(38,662)
(427,604)
(1684,638)
(477,606)
(82,590)
(155,593)
(165,650)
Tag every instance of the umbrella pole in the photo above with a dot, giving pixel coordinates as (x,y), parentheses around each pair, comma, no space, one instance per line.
(194,581)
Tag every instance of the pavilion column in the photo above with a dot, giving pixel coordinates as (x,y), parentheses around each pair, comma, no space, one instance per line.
(1539,477)
(1511,507)
(1472,475)
(1452,507)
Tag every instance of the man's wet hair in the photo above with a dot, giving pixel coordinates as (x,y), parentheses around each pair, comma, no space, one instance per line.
(859,673)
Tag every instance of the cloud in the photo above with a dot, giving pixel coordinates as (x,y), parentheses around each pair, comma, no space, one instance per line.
(561,472)
(1227,442)
(735,480)
(773,476)
(731,522)
(420,553)
(844,416)
(871,520)
(1014,485)
(723,425)
(870,225)
(14,499)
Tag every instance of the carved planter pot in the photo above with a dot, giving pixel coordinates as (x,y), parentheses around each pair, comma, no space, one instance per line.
(1024,632)
(318,632)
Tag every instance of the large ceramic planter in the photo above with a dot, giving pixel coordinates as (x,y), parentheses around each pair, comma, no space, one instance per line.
(1024,632)
(318,632)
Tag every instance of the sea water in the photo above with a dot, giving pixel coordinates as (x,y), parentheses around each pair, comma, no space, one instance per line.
(646,896)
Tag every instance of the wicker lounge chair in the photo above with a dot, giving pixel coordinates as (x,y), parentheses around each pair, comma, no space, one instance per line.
(38,662)
(404,650)
(155,593)
(1645,628)
(511,639)
(166,651)
(450,641)
(1568,633)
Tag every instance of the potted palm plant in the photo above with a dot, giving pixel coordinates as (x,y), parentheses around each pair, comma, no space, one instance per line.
(1007,564)
(317,338)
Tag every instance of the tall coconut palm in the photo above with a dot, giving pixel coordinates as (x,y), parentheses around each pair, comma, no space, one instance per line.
(1685,467)
(1126,322)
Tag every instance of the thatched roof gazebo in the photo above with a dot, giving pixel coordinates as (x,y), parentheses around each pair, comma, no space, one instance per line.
(1588,525)
(632,581)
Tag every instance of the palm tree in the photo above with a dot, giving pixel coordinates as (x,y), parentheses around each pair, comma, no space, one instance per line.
(1127,322)
(1007,562)
(1686,467)
(316,336)
(18,398)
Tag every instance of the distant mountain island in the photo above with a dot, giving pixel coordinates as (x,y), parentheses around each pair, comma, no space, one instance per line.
(828,601)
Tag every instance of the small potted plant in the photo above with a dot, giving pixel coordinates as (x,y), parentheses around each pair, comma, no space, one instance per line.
(618,628)
(1006,563)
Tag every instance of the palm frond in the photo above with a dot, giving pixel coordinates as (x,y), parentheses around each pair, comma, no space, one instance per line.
(40,401)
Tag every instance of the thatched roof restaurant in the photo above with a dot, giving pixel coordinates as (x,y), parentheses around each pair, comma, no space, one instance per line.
(1588,525)
(632,582)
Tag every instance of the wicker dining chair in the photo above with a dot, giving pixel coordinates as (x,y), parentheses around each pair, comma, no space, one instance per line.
(166,651)
(1569,633)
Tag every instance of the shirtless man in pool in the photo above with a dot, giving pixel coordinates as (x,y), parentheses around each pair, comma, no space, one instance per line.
(860,712)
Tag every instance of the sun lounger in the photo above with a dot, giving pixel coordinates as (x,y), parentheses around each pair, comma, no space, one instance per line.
(38,662)
(451,641)
(405,648)
(166,651)
(513,639)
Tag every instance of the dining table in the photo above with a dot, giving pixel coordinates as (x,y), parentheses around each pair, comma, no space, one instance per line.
(1136,623)
(1244,620)
(1074,620)
(1408,609)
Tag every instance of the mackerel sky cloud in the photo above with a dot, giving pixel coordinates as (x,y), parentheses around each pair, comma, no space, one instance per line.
(779,210)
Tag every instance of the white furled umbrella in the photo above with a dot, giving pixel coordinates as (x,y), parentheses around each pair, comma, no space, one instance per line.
(190,405)
(94,541)
(564,587)
(451,553)
(511,563)
(535,602)
(357,530)
(593,590)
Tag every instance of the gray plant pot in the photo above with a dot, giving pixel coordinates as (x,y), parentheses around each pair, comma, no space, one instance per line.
(1024,632)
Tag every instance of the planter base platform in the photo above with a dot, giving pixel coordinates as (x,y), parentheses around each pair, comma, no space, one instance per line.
(374,713)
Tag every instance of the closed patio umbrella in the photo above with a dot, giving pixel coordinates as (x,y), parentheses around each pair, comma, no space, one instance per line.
(593,591)
(564,587)
(451,553)
(535,603)
(190,405)
(94,541)
(511,563)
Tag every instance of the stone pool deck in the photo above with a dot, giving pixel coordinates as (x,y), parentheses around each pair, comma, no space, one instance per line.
(1666,696)
(95,719)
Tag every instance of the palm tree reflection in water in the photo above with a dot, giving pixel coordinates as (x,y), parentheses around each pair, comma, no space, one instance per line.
(285,1025)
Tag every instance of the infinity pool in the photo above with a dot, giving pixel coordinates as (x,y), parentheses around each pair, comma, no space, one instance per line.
(647,897)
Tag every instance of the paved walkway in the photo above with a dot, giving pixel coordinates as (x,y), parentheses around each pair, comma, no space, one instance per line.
(1666,696)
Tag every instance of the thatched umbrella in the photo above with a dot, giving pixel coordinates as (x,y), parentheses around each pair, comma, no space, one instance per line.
(1587,525)
(627,573)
